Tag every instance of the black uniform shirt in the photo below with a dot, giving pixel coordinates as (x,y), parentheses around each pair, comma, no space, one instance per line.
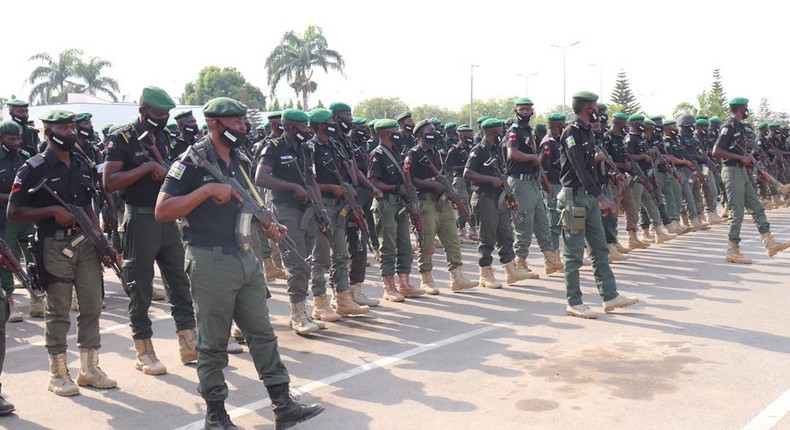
(177,147)
(382,168)
(72,183)
(733,139)
(458,156)
(10,162)
(635,144)
(328,158)
(278,154)
(209,224)
(481,153)
(125,147)
(550,157)
(615,145)
(577,158)
(417,162)
(520,137)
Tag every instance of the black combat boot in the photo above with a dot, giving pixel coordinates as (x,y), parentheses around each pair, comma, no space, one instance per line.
(216,416)
(287,411)
(5,407)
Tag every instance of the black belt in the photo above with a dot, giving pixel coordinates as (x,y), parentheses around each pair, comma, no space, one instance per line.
(524,176)
(226,250)
(733,163)
(57,234)
(146,210)
(391,197)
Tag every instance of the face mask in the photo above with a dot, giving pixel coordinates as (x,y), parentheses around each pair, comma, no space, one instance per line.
(346,125)
(594,116)
(641,128)
(523,118)
(232,138)
(66,143)
(430,137)
(746,113)
(303,137)
(603,118)
(361,133)
(468,139)
(280,127)
(87,133)
(673,133)
(188,129)
(396,137)
(157,124)
(409,128)
(21,120)
(331,129)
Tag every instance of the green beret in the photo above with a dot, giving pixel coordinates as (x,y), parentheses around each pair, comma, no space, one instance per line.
(523,101)
(762,125)
(620,115)
(436,121)
(464,127)
(319,115)
(540,128)
(204,127)
(274,115)
(172,126)
(182,115)
(703,122)
(656,118)
(650,122)
(107,127)
(295,115)
(450,125)
(57,116)
(372,123)
(739,101)
(774,124)
(222,107)
(83,116)
(114,128)
(715,120)
(556,116)
(602,107)
(492,123)
(267,126)
(420,125)
(403,116)
(670,121)
(10,128)
(261,127)
(636,117)
(15,102)
(481,119)
(157,98)
(339,107)
(383,124)
(358,120)
(586,96)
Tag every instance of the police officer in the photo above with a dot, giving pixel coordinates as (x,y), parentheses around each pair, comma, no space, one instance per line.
(135,162)
(226,280)
(187,132)
(16,234)
(539,133)
(279,171)
(731,147)
(583,203)
(457,156)
(550,163)
(390,214)
(709,190)
(424,163)
(5,406)
(523,169)
(406,126)
(332,169)
(483,169)
(18,110)
(80,268)
(685,150)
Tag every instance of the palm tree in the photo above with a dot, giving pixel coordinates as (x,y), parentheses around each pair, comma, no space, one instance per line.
(52,80)
(90,72)
(295,58)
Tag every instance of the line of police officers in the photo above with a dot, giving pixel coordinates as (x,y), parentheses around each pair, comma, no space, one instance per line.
(313,168)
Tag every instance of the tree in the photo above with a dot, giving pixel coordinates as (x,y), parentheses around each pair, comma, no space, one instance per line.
(276,105)
(764,111)
(52,81)
(432,111)
(702,107)
(255,118)
(320,104)
(295,58)
(622,95)
(494,108)
(214,82)
(717,99)
(380,107)
(91,74)
(299,105)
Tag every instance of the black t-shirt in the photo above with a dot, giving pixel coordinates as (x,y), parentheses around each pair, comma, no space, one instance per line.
(125,147)
(520,138)
(209,224)
(418,162)
(383,169)
(286,163)
(615,145)
(478,157)
(577,158)
(72,183)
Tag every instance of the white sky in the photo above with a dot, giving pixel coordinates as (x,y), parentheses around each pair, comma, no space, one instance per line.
(421,51)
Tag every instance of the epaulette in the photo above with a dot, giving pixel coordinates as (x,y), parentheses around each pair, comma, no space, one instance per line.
(35,160)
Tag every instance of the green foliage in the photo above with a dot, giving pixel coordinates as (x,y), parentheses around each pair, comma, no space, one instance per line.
(227,82)
(717,98)
(622,95)
(433,111)
(380,107)
(764,111)
(276,105)
(299,105)
(320,104)
(289,105)
(295,59)
(254,117)
(67,73)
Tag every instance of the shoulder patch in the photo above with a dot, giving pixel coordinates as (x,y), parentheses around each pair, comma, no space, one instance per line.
(176,170)
(570,141)
(724,131)
(35,161)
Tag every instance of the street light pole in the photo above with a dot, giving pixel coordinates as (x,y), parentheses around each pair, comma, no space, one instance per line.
(600,79)
(526,78)
(472,95)
(563,69)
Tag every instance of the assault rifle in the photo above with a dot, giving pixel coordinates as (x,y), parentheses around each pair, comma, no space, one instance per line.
(11,264)
(507,196)
(413,203)
(449,191)
(355,210)
(324,223)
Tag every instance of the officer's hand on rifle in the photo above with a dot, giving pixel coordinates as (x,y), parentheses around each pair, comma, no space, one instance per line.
(300,194)
(605,204)
(158,173)
(377,193)
(746,161)
(221,193)
(63,217)
(274,231)
(496,182)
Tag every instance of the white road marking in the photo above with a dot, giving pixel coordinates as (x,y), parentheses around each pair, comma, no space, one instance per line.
(356,371)
(770,416)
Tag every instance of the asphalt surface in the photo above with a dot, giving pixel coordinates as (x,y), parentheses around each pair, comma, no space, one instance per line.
(706,348)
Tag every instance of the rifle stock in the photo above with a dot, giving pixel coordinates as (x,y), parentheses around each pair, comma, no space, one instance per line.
(11,264)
